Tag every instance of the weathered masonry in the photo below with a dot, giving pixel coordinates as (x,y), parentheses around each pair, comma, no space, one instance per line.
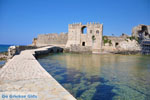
(77,39)
(141,32)
(89,40)
(51,39)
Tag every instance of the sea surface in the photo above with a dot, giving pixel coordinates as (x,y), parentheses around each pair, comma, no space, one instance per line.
(101,77)
(4,48)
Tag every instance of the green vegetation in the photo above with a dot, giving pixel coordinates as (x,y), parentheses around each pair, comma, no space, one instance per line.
(106,40)
(132,38)
(93,37)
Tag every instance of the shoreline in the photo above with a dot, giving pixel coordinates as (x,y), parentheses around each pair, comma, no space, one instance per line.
(3,58)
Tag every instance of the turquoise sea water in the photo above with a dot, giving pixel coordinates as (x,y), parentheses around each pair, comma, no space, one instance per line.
(101,77)
(4,48)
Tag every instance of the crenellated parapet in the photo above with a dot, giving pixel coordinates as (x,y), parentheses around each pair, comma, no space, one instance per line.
(93,24)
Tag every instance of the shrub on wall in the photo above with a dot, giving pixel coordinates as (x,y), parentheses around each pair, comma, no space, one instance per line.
(106,40)
(133,38)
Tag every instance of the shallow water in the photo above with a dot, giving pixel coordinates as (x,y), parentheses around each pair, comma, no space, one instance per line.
(101,77)
(2,63)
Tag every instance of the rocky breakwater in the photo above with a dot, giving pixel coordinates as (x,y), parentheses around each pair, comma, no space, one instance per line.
(15,50)
(3,58)
(24,75)
(3,55)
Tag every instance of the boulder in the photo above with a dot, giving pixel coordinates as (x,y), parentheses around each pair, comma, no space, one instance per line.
(11,51)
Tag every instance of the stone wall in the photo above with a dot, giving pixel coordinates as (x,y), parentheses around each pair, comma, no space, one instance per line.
(129,45)
(122,43)
(14,50)
(115,40)
(141,32)
(51,39)
(92,38)
(78,41)
(78,49)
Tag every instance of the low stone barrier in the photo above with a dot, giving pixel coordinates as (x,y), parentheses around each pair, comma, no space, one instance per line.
(14,50)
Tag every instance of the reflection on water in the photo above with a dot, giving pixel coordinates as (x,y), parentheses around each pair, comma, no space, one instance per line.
(101,77)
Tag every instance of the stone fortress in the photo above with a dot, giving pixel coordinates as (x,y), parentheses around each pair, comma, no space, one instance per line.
(77,40)
(91,41)
(142,32)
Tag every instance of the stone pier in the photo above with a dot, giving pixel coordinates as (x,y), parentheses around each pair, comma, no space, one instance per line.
(24,74)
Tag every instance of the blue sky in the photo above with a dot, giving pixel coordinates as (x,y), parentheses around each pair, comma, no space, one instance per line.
(22,20)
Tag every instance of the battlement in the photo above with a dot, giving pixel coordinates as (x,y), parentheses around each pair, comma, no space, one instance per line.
(75,25)
(88,24)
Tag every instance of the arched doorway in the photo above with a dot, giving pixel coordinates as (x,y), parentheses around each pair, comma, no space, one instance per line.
(84,30)
(83,43)
(116,44)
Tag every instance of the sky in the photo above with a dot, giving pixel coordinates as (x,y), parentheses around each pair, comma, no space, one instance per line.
(23,20)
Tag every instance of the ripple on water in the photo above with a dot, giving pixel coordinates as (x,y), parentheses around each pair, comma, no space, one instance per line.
(101,77)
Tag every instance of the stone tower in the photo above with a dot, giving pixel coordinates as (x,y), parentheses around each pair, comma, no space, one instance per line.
(92,39)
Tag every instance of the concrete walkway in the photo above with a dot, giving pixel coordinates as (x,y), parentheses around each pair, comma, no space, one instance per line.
(24,74)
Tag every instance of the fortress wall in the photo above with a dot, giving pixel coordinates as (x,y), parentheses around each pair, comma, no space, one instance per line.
(92,38)
(52,39)
(78,49)
(141,31)
(120,44)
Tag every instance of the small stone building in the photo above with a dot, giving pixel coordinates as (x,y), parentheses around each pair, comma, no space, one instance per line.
(90,40)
